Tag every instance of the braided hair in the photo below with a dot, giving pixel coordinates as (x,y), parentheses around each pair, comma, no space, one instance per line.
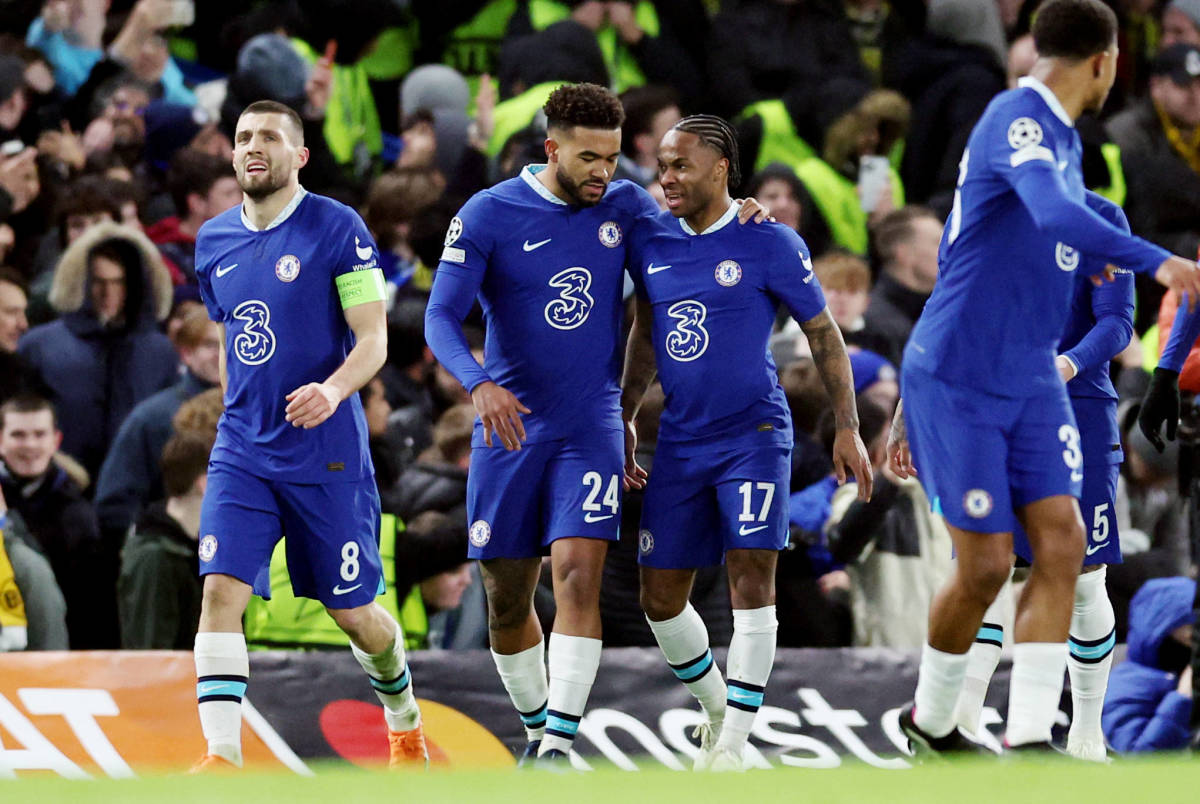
(716,133)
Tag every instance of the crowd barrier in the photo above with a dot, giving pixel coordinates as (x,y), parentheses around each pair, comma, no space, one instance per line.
(119,714)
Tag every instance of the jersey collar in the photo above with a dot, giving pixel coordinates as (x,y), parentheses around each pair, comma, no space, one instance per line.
(529,175)
(283,215)
(719,223)
(1029,82)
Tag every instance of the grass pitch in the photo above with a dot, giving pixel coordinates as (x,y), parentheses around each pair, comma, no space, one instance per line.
(1160,780)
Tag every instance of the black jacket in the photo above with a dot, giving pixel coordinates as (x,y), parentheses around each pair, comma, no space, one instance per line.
(159,589)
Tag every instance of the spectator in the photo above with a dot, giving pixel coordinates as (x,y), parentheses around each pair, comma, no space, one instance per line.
(385,455)
(394,202)
(1149,699)
(897,553)
(779,189)
(61,522)
(846,280)
(69,34)
(201,186)
(438,479)
(407,377)
(1181,23)
(650,111)
(45,610)
(438,97)
(807,399)
(159,589)
(105,354)
(1157,136)
(16,375)
(906,242)
(130,476)
(433,587)
(13,102)
(875,379)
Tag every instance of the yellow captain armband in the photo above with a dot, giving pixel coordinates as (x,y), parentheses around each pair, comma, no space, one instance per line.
(360,287)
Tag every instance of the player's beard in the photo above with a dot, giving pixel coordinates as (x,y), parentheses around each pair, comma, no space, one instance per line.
(263,184)
(575,189)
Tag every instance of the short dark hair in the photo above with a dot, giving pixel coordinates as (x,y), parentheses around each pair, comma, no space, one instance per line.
(87,195)
(184,459)
(1073,29)
(275,107)
(28,403)
(641,105)
(11,276)
(193,171)
(895,228)
(872,418)
(587,105)
(716,133)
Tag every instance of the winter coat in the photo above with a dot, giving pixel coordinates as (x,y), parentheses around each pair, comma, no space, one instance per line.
(160,588)
(99,373)
(1142,709)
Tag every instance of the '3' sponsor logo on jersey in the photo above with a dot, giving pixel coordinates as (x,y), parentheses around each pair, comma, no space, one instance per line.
(689,339)
(574,303)
(255,344)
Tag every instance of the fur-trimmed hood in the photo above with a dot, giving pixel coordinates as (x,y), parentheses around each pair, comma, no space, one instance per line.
(68,293)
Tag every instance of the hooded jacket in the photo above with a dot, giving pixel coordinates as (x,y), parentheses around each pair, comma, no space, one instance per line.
(1142,710)
(99,373)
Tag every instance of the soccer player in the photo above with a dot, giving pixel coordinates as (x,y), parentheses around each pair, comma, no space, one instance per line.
(1099,327)
(987,414)
(292,278)
(545,254)
(707,297)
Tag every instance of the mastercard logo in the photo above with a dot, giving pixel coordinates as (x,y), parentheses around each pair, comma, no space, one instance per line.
(358,733)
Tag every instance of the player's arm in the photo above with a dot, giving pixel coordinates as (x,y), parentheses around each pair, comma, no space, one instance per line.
(1044,193)
(1160,405)
(639,373)
(313,403)
(456,283)
(222,372)
(898,454)
(829,355)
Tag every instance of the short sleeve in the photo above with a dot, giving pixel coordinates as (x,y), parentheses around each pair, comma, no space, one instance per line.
(356,270)
(790,275)
(204,280)
(468,244)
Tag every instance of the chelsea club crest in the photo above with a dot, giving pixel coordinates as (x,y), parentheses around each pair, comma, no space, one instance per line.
(728,273)
(288,267)
(610,234)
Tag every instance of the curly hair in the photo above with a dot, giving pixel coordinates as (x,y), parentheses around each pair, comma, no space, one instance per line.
(587,105)
(1073,29)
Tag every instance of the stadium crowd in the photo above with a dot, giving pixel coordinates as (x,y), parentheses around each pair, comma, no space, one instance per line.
(852,115)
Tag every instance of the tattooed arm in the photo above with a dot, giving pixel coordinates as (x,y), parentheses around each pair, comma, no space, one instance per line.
(639,373)
(829,355)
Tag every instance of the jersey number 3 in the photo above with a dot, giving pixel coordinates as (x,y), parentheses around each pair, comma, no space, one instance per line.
(255,344)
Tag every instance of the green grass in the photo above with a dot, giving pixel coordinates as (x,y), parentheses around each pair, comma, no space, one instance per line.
(1162,780)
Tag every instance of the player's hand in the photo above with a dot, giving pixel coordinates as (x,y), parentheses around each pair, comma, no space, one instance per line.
(752,209)
(500,413)
(1066,369)
(1159,405)
(850,458)
(311,404)
(635,475)
(1185,682)
(1180,275)
(1107,275)
(319,86)
(899,457)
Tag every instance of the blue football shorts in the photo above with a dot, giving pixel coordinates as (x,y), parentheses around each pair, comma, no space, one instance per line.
(700,506)
(1102,456)
(519,502)
(981,456)
(332,532)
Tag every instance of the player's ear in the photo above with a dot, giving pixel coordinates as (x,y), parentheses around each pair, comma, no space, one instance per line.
(301,158)
(551,149)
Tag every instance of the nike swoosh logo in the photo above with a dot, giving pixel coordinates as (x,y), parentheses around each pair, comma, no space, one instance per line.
(363,253)
(217,688)
(338,590)
(1095,548)
(744,531)
(653,269)
(595,518)
(531,246)
(222,271)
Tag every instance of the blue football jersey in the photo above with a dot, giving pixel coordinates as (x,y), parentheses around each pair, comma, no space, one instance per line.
(1004,289)
(715,297)
(549,277)
(274,290)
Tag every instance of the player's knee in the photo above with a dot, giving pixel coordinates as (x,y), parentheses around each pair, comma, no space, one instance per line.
(987,576)
(507,611)
(752,591)
(577,586)
(660,605)
(355,622)
(1060,548)
(224,596)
